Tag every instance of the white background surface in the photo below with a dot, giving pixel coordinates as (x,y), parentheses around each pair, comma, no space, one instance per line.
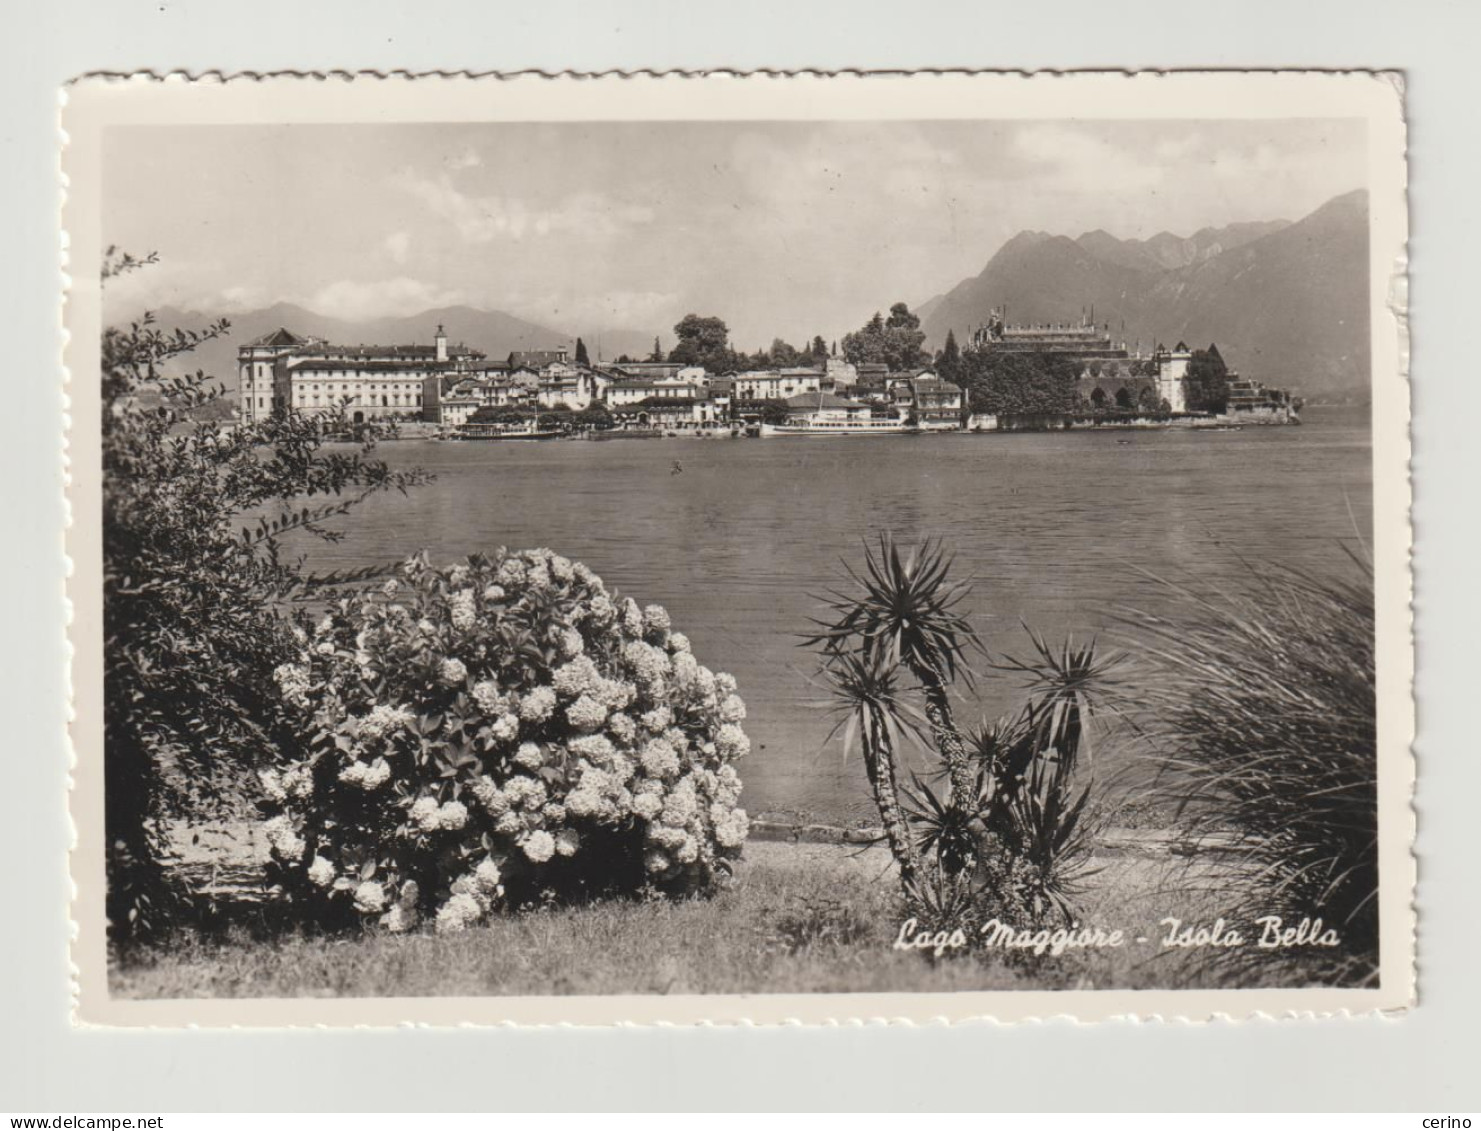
(1425,1061)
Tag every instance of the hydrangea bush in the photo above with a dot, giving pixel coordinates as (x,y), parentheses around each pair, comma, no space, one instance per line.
(493,733)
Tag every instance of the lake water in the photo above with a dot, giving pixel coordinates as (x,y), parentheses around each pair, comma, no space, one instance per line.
(1053,527)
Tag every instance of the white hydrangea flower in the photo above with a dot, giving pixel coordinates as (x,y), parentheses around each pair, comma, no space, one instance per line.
(586,714)
(622,728)
(656,619)
(525,792)
(321,872)
(294,684)
(657,720)
(554,813)
(602,611)
(377,774)
(567,841)
(370,898)
(487,876)
(272,784)
(383,719)
(576,677)
(511,573)
(561,568)
(539,846)
(659,760)
(614,694)
(325,647)
(354,774)
(583,802)
(463,611)
(494,593)
(452,671)
(648,805)
(400,918)
(733,830)
(486,696)
(731,742)
(632,618)
(452,815)
(390,587)
(536,705)
(505,728)
(733,709)
(678,643)
(688,851)
(724,684)
(282,837)
(490,796)
(650,666)
(571,643)
(592,747)
(460,912)
(510,824)
(426,813)
(298,782)
(529,756)
(458,576)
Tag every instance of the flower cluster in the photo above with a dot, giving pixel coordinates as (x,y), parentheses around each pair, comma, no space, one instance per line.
(483,735)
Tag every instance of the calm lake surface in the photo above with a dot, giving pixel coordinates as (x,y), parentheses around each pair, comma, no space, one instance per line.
(1053,527)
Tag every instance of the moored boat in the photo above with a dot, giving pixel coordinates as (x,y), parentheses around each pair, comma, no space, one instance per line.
(869,426)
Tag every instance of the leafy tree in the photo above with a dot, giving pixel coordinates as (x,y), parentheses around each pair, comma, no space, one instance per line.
(1208,381)
(623,359)
(581,355)
(819,351)
(703,341)
(198,595)
(657,354)
(949,360)
(895,342)
(999,383)
(1123,397)
(781,355)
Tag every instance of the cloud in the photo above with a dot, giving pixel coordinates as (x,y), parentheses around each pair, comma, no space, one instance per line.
(607,309)
(356,301)
(466,158)
(397,244)
(482,219)
(1071,158)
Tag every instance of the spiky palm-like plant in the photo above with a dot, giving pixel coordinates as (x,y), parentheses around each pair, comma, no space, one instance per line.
(905,609)
(874,717)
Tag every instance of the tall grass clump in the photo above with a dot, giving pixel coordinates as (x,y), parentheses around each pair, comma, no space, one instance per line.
(1265,721)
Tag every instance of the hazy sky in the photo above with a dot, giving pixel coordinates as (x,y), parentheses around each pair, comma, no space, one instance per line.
(786,229)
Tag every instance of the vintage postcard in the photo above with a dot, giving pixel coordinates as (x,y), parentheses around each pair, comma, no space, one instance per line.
(739,549)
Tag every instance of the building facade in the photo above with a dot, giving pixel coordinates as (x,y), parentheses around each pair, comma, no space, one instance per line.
(283,370)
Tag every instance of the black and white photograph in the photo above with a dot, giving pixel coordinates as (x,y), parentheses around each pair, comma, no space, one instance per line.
(700,552)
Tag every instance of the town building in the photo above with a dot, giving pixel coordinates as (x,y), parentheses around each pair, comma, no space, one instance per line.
(776,384)
(284,370)
(816,407)
(537,359)
(622,394)
(661,371)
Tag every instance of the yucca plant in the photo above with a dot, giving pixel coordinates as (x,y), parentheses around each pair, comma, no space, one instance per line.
(904,609)
(1268,707)
(875,717)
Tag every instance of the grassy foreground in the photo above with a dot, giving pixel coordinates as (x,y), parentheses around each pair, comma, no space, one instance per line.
(799,918)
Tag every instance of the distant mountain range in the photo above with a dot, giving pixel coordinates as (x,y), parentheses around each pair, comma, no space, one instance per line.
(1286,303)
(495,333)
